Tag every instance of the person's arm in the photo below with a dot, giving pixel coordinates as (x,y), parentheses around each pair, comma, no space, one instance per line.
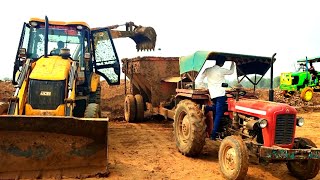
(228,71)
(201,79)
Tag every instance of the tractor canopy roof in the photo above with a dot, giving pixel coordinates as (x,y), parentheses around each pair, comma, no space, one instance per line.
(246,64)
(312,59)
(58,23)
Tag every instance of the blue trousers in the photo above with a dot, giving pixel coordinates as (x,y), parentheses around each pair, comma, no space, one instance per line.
(218,110)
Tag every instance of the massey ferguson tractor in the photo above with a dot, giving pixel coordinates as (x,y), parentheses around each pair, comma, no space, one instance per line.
(263,128)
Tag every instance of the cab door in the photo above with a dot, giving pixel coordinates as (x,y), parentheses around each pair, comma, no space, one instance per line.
(106,61)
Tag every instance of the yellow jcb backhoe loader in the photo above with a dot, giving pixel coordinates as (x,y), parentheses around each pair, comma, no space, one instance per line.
(53,126)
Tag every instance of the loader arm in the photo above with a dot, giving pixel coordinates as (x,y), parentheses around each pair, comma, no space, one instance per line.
(144,37)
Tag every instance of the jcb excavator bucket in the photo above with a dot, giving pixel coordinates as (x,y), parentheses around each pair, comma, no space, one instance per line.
(144,37)
(52,147)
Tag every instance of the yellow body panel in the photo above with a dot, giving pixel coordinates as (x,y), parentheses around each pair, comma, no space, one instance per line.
(57,112)
(285,78)
(51,68)
(95,80)
(61,23)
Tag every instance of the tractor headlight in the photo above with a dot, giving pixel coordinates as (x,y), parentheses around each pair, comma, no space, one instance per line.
(300,121)
(262,123)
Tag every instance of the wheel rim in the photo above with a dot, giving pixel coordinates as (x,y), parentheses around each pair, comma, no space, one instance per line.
(229,161)
(126,108)
(308,95)
(184,126)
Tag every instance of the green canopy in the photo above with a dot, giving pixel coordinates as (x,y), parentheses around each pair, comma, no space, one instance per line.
(246,64)
(312,59)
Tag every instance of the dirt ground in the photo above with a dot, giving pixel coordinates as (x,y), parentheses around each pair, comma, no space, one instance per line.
(147,150)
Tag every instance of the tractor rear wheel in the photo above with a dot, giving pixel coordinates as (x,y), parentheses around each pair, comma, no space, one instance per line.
(189,128)
(306,94)
(92,111)
(129,108)
(139,107)
(233,158)
(303,169)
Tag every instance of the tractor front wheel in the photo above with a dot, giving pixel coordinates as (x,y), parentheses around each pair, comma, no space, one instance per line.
(306,94)
(233,158)
(287,94)
(303,169)
(189,128)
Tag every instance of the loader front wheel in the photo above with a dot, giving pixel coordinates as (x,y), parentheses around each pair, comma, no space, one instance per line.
(233,158)
(95,97)
(189,128)
(303,169)
(92,111)
(139,107)
(129,108)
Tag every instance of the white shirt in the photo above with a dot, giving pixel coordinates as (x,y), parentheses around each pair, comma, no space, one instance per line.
(215,76)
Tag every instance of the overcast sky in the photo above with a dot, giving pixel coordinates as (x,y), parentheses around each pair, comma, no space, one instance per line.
(289,28)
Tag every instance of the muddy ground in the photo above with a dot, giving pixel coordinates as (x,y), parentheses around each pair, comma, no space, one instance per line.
(147,150)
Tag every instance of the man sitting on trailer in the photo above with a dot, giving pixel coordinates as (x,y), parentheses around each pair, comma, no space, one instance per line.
(216,76)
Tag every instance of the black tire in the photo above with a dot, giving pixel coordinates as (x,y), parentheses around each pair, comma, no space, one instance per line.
(303,169)
(80,108)
(189,128)
(95,97)
(288,94)
(233,158)
(139,107)
(129,108)
(92,111)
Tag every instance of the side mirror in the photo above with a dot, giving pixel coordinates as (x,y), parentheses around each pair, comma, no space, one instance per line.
(22,53)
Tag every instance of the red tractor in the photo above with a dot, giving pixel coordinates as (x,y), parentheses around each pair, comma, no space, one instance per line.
(263,128)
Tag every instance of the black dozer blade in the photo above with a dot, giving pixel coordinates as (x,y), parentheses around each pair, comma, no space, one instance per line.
(51,146)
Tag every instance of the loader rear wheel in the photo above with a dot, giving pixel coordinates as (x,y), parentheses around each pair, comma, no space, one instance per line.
(139,107)
(303,169)
(189,128)
(129,108)
(233,158)
(306,94)
(92,111)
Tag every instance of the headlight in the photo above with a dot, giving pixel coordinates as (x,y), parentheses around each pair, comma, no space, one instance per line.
(300,121)
(262,123)
(79,27)
(33,23)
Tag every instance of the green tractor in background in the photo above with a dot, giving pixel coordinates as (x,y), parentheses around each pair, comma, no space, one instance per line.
(305,80)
